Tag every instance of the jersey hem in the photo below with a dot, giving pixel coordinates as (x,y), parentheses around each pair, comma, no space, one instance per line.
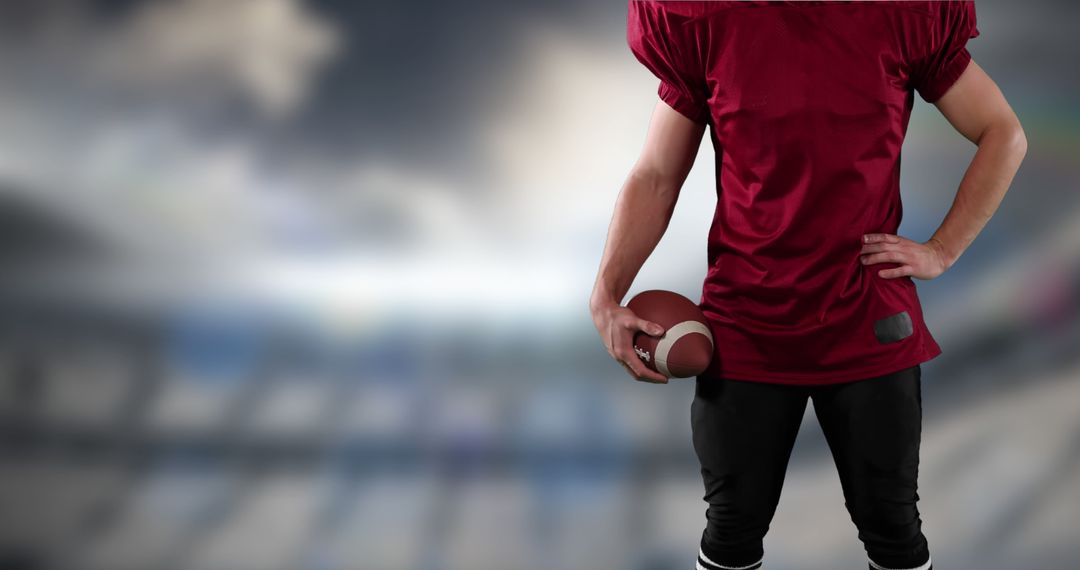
(815,379)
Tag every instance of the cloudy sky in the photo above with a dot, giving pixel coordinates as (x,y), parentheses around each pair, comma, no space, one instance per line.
(477,145)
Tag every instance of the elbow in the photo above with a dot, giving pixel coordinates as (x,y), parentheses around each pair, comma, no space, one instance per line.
(1008,134)
(1018,141)
(1015,138)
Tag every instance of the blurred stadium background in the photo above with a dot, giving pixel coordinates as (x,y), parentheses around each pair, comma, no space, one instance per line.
(304,285)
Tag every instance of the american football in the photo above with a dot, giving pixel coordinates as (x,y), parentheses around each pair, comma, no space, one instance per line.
(686,348)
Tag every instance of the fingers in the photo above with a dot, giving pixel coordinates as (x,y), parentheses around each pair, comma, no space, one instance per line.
(890,248)
(884,257)
(883,248)
(649,328)
(625,354)
(887,242)
(639,372)
(620,341)
(881,238)
(897,272)
(889,257)
(878,247)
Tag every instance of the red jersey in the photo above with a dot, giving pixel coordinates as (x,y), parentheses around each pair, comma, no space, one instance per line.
(807,104)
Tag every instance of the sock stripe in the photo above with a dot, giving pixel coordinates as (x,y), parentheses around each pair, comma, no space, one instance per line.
(924,566)
(704,563)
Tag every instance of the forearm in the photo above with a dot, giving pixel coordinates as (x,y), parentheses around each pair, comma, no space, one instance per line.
(987,179)
(642,213)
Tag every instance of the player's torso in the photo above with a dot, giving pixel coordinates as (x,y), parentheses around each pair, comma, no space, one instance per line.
(810,104)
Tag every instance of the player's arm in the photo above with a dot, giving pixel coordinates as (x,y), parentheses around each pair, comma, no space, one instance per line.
(977,109)
(642,212)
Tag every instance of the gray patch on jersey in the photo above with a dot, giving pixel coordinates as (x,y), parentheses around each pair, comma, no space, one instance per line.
(893,328)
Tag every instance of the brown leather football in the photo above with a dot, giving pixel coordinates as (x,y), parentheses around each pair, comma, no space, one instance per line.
(686,348)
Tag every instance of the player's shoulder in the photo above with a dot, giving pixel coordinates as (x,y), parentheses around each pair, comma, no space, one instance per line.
(932,9)
(684,9)
(680,13)
(696,8)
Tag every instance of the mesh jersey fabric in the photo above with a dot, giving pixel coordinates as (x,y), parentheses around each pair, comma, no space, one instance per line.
(807,105)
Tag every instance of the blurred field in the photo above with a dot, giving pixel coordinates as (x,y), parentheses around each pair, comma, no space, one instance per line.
(303,285)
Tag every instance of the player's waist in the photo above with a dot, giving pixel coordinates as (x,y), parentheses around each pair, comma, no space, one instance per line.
(780,301)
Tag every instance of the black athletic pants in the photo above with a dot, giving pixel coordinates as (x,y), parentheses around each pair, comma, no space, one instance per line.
(743,435)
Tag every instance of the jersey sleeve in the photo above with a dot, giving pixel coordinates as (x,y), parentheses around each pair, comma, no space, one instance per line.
(946,56)
(666,48)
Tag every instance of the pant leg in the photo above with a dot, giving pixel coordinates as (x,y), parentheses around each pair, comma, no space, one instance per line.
(743,434)
(873,428)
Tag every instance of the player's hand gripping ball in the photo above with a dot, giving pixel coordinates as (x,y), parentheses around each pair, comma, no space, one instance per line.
(686,348)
